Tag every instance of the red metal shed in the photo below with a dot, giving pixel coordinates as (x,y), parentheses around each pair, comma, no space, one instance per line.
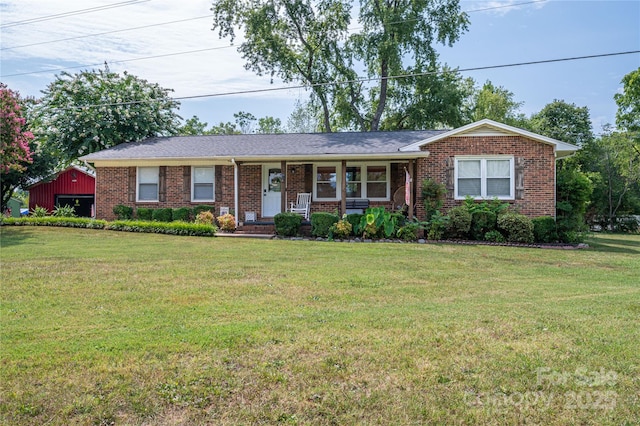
(75,187)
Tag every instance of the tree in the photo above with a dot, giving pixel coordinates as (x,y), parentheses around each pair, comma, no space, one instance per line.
(308,42)
(628,115)
(193,126)
(303,118)
(14,138)
(94,110)
(564,122)
(270,125)
(496,103)
(244,121)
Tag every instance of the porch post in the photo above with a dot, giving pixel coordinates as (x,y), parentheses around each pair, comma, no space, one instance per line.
(283,187)
(236,189)
(343,188)
(411,187)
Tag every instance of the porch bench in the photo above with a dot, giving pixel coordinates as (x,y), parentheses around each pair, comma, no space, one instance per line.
(357,205)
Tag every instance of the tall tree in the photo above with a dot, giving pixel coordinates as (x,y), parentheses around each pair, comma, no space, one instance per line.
(496,103)
(628,115)
(303,118)
(94,110)
(269,125)
(14,137)
(564,122)
(193,126)
(308,42)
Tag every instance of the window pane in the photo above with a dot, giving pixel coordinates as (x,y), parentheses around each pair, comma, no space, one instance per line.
(148,191)
(147,174)
(469,169)
(354,174)
(203,191)
(354,190)
(468,187)
(498,187)
(326,190)
(275,180)
(498,168)
(376,174)
(203,175)
(326,174)
(377,190)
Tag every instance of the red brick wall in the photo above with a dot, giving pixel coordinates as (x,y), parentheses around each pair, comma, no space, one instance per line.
(112,188)
(539,169)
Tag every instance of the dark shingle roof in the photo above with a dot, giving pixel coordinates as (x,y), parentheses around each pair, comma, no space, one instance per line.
(257,145)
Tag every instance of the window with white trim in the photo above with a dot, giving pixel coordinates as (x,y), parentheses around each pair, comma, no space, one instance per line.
(148,183)
(326,182)
(368,181)
(203,183)
(484,177)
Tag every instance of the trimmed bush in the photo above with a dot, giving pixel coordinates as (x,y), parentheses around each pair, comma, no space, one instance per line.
(481,223)
(287,224)
(123,212)
(205,217)
(544,229)
(183,214)
(170,228)
(459,222)
(144,213)
(66,222)
(227,222)
(516,227)
(494,236)
(162,215)
(203,208)
(354,219)
(321,222)
(408,232)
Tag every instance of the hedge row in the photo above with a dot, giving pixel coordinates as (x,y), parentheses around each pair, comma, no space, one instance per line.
(185,214)
(67,222)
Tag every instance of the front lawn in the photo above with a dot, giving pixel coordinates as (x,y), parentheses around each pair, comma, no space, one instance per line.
(101,327)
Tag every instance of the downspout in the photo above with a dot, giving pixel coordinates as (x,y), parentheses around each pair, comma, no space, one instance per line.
(235,190)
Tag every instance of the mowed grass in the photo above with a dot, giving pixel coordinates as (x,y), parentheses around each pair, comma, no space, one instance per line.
(101,327)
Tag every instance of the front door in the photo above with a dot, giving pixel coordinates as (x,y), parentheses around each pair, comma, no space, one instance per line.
(271,189)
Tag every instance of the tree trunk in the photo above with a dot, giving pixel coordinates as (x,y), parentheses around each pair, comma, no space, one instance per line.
(384,82)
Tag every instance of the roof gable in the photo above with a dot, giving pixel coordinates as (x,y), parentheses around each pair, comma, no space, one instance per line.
(488,127)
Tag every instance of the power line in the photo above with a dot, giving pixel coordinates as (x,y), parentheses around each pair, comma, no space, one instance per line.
(106,32)
(366,79)
(73,13)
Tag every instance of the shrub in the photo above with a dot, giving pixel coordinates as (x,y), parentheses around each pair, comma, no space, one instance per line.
(123,212)
(162,215)
(67,222)
(144,213)
(227,222)
(436,227)
(171,228)
(183,214)
(377,223)
(482,221)
(459,222)
(494,236)
(287,224)
(64,211)
(354,219)
(205,217)
(399,219)
(517,228)
(203,208)
(433,194)
(39,212)
(341,229)
(408,232)
(544,229)
(321,222)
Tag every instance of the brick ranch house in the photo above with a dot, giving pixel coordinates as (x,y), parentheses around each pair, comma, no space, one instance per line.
(259,175)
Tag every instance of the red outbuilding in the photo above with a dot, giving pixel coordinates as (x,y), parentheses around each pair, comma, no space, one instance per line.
(75,187)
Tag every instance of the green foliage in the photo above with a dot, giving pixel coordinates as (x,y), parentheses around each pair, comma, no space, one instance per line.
(321,223)
(342,229)
(287,224)
(439,224)
(564,122)
(64,211)
(494,236)
(544,229)
(203,208)
(171,228)
(193,126)
(227,222)
(123,212)
(378,223)
(144,213)
(495,103)
(574,190)
(39,211)
(628,114)
(269,125)
(94,110)
(459,222)
(205,217)
(162,215)
(354,219)
(433,194)
(516,227)
(66,222)
(482,221)
(408,232)
(182,213)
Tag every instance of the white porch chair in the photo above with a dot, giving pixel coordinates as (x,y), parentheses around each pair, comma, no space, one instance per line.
(302,205)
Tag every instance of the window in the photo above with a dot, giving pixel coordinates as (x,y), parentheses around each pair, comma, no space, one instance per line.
(326,182)
(490,177)
(148,179)
(202,183)
(368,181)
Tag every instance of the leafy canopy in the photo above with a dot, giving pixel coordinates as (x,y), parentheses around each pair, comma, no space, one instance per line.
(94,110)
(14,138)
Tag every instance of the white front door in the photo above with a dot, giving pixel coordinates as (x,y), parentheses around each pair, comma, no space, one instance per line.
(271,189)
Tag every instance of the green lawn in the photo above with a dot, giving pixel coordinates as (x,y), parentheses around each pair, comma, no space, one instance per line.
(102,327)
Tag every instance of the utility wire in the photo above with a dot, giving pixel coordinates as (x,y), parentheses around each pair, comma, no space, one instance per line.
(73,13)
(362,80)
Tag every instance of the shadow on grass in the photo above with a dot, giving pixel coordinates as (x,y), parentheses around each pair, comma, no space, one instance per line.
(13,235)
(610,244)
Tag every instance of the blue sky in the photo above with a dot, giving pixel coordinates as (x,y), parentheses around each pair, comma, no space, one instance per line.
(503,35)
